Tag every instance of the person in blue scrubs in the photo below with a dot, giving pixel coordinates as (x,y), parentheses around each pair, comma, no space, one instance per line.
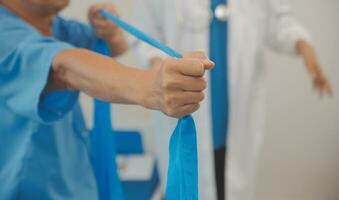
(45,61)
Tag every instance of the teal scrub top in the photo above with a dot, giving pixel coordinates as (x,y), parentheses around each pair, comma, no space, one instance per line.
(44,144)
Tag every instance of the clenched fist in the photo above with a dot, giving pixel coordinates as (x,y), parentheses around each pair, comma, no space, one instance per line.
(178,84)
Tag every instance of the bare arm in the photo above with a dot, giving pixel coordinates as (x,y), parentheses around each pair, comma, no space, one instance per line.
(286,35)
(320,81)
(98,76)
(175,88)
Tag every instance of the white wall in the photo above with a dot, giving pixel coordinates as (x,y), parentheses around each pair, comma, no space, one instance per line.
(300,155)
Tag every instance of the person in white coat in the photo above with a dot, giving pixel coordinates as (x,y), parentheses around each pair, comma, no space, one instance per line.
(253,26)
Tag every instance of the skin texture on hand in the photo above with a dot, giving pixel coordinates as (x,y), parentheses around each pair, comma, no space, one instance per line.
(320,82)
(106,30)
(181,82)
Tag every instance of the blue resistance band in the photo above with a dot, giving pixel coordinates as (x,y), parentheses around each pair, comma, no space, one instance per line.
(182,179)
(104,147)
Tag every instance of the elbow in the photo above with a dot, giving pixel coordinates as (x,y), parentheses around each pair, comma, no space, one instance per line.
(61,75)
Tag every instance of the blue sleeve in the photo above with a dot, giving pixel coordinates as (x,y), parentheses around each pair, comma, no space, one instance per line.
(25,61)
(78,34)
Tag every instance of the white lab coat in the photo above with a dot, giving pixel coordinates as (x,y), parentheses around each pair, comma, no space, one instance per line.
(254,25)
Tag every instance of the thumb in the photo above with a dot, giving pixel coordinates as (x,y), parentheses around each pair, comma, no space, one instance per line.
(208,64)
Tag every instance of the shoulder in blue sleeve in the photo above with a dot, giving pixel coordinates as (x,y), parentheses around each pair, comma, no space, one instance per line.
(25,61)
(76,33)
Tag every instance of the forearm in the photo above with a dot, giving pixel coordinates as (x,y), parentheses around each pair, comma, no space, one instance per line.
(307,52)
(175,87)
(100,77)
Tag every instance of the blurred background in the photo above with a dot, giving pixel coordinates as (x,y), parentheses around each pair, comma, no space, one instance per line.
(299,159)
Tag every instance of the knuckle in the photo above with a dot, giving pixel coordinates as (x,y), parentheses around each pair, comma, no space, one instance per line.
(164,86)
(199,67)
(168,83)
(169,61)
(203,84)
(201,54)
(192,108)
(168,101)
(201,96)
(172,99)
(167,66)
(195,107)
(171,112)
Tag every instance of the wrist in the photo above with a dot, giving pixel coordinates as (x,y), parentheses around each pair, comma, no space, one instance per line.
(149,93)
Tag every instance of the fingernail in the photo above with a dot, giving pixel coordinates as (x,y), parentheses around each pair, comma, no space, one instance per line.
(208,62)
